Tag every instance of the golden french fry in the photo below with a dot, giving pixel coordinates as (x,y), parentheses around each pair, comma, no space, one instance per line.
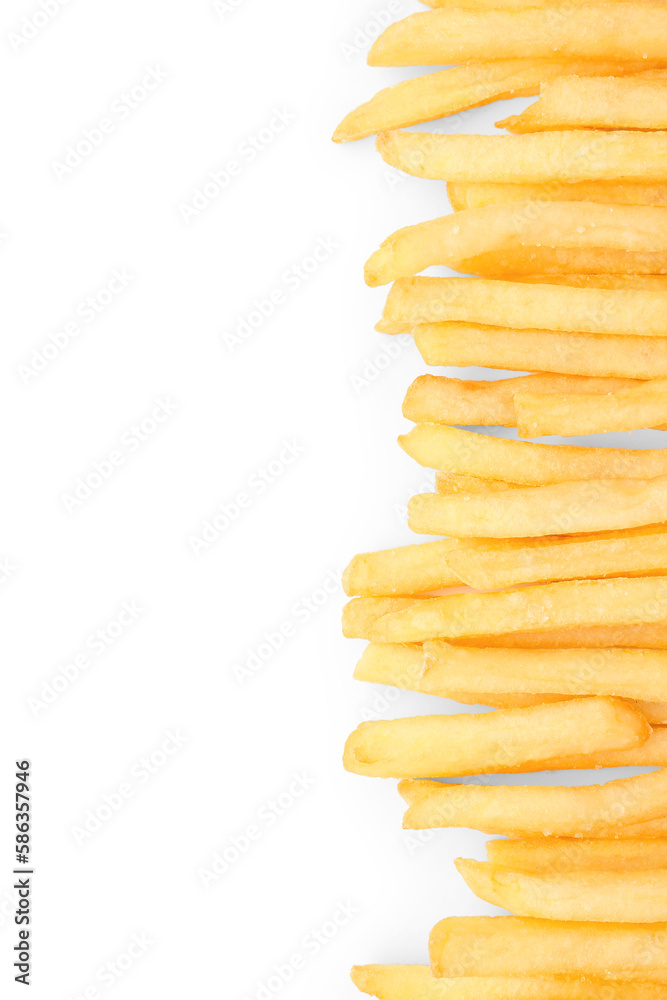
(535,810)
(652,636)
(447,483)
(473,194)
(624,673)
(450,746)
(534,158)
(452,34)
(651,829)
(649,282)
(561,308)
(605,897)
(567,604)
(539,414)
(360,613)
(493,565)
(518,946)
(569,102)
(416,982)
(455,239)
(518,263)
(466,344)
(439,400)
(536,511)
(411,569)
(577,855)
(438,446)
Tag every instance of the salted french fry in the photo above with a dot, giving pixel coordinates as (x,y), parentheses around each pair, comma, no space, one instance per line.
(534,158)
(459,237)
(473,194)
(577,855)
(439,400)
(452,34)
(625,673)
(411,569)
(493,565)
(539,414)
(438,446)
(518,263)
(465,344)
(608,897)
(447,483)
(521,946)
(569,102)
(361,612)
(523,306)
(537,511)
(567,604)
(450,746)
(535,810)
(416,982)
(395,664)
(459,88)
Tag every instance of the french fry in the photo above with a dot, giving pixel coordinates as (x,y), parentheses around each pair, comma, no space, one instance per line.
(649,282)
(439,400)
(493,565)
(652,636)
(454,239)
(534,158)
(567,604)
(609,102)
(535,810)
(411,569)
(466,344)
(638,897)
(539,414)
(577,855)
(523,946)
(650,829)
(361,612)
(537,511)
(624,673)
(451,34)
(416,982)
(652,754)
(438,446)
(518,263)
(523,306)
(448,746)
(473,194)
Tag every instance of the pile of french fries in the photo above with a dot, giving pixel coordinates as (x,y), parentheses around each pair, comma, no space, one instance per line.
(544,595)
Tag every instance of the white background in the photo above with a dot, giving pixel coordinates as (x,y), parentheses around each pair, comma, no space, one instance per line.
(314,375)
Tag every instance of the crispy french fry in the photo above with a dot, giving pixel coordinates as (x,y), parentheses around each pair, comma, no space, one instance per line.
(450,746)
(447,483)
(361,612)
(652,754)
(652,636)
(404,666)
(459,88)
(567,604)
(473,194)
(439,400)
(539,414)
(649,282)
(493,565)
(438,446)
(608,897)
(466,344)
(650,829)
(577,855)
(411,569)
(607,103)
(518,263)
(523,306)
(624,673)
(535,810)
(451,34)
(454,239)
(517,946)
(574,508)
(534,158)
(416,982)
